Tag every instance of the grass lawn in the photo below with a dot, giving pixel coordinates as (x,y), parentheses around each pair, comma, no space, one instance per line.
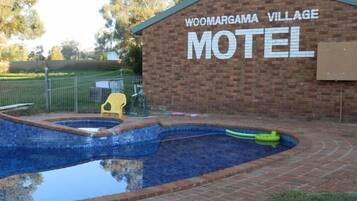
(30,88)
(32,76)
(302,196)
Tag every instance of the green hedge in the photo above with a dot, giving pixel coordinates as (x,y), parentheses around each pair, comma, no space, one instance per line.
(38,66)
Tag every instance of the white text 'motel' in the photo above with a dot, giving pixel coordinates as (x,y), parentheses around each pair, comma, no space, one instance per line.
(209,43)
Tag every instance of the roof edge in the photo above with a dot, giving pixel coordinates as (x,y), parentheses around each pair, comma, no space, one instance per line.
(161,16)
(187,3)
(350,2)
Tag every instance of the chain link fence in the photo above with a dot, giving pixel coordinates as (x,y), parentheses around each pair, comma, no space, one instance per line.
(82,94)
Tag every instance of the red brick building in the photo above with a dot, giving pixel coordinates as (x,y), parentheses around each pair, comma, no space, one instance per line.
(253,56)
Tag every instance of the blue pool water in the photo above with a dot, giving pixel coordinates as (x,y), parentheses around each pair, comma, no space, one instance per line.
(89,123)
(73,174)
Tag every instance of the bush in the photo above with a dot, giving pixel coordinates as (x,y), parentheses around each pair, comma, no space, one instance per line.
(134,60)
(302,196)
(4,67)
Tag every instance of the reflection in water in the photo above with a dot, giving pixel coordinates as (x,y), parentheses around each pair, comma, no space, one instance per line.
(129,170)
(77,182)
(21,161)
(20,187)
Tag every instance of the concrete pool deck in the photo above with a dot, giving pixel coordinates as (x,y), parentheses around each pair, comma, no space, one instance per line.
(324,160)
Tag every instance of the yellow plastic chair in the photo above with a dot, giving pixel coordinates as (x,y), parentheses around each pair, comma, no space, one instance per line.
(117,102)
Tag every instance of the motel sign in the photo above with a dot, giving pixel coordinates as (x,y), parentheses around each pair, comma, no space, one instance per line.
(207,46)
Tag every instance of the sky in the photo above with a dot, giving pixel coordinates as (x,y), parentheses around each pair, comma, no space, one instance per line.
(69,20)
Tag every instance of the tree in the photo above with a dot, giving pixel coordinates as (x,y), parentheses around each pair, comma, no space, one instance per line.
(16,52)
(55,54)
(104,40)
(87,55)
(70,50)
(178,1)
(18,18)
(121,16)
(37,54)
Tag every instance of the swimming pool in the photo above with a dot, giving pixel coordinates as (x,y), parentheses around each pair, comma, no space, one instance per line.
(129,162)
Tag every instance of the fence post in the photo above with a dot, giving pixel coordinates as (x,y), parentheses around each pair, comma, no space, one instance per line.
(76,94)
(341,104)
(50,93)
(47,91)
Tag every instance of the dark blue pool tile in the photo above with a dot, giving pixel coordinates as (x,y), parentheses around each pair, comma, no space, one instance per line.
(25,136)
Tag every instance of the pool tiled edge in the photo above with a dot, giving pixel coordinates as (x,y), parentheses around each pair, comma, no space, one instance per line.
(43,124)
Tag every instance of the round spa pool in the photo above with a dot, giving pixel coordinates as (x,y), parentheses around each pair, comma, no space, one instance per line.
(131,161)
(91,125)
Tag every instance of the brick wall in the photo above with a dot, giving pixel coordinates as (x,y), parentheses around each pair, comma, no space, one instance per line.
(274,87)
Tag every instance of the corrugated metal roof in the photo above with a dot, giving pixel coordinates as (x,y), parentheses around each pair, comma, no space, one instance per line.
(187,3)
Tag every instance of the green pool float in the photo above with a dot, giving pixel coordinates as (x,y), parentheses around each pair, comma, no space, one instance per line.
(240,135)
(270,144)
(272,137)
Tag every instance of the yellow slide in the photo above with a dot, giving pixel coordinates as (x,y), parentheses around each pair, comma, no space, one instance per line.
(116,103)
